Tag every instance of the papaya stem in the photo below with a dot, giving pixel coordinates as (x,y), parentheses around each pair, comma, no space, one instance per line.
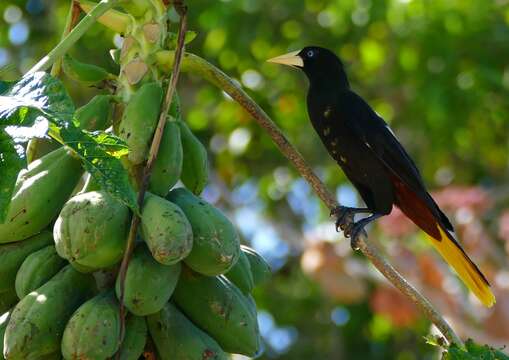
(72,18)
(196,65)
(79,30)
(154,149)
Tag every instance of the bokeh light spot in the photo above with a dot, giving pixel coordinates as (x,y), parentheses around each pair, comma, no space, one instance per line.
(372,54)
(239,140)
(18,33)
(5,57)
(340,315)
(252,79)
(12,14)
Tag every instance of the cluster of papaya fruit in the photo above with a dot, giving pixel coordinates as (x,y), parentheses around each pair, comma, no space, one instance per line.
(188,285)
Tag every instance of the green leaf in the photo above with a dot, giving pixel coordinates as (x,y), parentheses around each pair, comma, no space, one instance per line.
(473,351)
(455,353)
(11,162)
(40,94)
(98,152)
(36,94)
(112,144)
(484,351)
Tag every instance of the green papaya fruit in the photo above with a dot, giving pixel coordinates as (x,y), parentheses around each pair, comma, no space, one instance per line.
(175,108)
(135,338)
(93,330)
(240,274)
(195,172)
(39,194)
(177,338)
(216,245)
(91,231)
(94,115)
(250,299)
(148,284)
(165,229)
(54,356)
(88,74)
(37,269)
(219,308)
(139,120)
(38,147)
(13,255)
(38,320)
(168,164)
(260,269)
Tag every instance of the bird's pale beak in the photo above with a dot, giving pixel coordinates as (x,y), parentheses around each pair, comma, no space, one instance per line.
(291,59)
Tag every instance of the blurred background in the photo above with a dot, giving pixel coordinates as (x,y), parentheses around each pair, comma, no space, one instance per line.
(437,71)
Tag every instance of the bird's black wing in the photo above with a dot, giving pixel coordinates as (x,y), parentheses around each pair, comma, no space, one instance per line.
(380,139)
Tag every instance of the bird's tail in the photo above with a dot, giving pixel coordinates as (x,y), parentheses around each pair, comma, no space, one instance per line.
(468,272)
(436,227)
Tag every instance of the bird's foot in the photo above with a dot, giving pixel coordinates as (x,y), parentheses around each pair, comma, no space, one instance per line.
(344,216)
(354,231)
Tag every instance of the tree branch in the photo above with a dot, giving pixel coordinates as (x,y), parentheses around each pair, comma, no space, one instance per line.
(154,149)
(196,65)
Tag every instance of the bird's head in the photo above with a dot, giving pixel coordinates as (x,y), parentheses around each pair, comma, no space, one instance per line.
(319,64)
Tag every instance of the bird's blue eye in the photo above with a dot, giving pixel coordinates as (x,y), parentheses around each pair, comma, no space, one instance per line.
(310,53)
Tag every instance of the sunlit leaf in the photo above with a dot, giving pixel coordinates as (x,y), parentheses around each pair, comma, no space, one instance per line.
(112,144)
(99,152)
(35,95)
(41,96)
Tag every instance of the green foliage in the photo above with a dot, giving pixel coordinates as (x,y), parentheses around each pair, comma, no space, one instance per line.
(99,153)
(436,71)
(471,351)
(34,95)
(40,94)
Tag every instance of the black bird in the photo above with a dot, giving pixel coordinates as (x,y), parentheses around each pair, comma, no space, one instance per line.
(375,162)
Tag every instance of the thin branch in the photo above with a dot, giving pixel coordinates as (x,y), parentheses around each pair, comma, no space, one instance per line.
(154,149)
(196,65)
(76,33)
(72,18)
(199,66)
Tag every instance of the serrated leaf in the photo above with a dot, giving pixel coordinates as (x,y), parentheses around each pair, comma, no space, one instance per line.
(11,162)
(474,351)
(484,351)
(41,96)
(34,95)
(455,353)
(112,144)
(107,170)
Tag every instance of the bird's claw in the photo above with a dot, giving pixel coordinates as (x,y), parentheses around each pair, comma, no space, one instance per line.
(354,231)
(344,217)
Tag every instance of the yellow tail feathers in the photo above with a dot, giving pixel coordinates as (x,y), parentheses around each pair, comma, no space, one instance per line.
(464,267)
